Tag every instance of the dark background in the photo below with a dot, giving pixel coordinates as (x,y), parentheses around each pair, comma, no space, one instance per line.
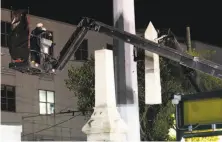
(203,18)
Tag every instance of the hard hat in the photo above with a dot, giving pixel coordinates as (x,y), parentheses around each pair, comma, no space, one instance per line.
(39,25)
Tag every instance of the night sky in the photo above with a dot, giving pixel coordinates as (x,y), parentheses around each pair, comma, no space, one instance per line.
(203,18)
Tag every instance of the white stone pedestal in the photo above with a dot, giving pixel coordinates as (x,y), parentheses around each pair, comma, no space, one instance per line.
(152,71)
(105,123)
(126,69)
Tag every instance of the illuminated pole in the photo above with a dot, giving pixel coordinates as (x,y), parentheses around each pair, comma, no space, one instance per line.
(126,69)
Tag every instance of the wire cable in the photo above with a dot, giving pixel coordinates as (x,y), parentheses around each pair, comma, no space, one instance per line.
(52,126)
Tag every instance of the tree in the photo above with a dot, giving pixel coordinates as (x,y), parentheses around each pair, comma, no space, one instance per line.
(155,120)
(206,83)
(81,81)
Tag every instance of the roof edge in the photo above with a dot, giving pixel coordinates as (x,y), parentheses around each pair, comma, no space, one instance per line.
(43,18)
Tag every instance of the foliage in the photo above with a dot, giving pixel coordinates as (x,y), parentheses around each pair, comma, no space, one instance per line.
(81,82)
(205,81)
(155,120)
(203,139)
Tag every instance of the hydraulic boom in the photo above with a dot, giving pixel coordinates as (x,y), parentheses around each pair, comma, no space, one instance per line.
(184,59)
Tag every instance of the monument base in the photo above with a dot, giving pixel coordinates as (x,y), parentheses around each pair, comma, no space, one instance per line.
(105,124)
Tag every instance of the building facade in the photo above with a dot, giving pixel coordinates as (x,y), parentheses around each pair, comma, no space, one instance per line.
(32,101)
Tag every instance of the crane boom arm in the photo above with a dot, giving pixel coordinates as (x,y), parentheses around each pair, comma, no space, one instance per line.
(184,59)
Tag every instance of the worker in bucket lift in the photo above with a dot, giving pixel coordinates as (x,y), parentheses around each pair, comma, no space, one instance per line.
(35,41)
(18,41)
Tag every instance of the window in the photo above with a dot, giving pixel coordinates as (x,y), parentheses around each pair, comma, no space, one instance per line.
(82,53)
(46,102)
(8,98)
(5,30)
(109,46)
